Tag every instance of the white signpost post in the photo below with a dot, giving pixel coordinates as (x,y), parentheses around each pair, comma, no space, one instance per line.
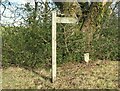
(55,20)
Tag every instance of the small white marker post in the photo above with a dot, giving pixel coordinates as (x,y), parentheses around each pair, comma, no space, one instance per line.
(86,57)
(54,21)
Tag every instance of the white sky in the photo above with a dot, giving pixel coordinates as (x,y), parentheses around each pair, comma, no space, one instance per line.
(19,1)
(8,13)
(22,1)
(3,19)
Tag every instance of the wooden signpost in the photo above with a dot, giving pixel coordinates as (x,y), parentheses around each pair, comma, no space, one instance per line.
(55,20)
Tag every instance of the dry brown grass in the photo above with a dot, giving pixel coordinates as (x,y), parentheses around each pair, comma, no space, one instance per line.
(97,74)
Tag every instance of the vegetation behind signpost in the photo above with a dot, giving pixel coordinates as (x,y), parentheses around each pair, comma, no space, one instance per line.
(30,45)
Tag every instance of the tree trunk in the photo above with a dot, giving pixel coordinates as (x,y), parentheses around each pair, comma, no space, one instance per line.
(93,21)
(35,10)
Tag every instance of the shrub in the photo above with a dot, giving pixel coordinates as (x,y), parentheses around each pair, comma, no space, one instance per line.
(31,46)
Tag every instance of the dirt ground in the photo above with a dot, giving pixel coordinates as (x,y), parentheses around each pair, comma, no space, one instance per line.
(96,74)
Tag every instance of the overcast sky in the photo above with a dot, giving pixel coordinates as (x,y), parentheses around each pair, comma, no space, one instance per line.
(8,13)
(21,1)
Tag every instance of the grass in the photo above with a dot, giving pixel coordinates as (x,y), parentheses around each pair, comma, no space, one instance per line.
(97,74)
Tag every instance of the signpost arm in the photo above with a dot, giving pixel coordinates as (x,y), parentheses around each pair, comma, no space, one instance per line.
(53,46)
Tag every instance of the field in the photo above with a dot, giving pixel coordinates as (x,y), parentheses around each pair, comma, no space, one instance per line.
(96,74)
